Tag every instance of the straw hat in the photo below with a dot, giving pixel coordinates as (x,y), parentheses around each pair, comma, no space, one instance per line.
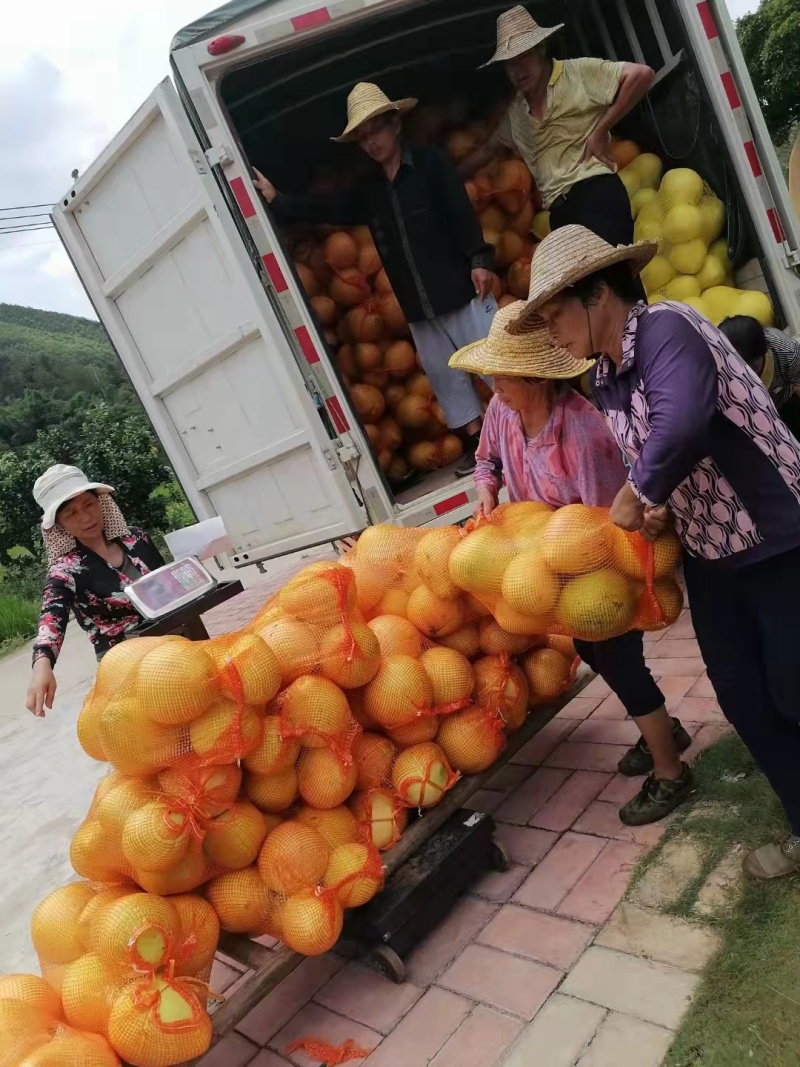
(518,33)
(59,484)
(524,355)
(366,101)
(570,253)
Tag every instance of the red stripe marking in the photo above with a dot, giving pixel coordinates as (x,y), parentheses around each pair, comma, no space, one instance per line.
(275,273)
(311,19)
(451,504)
(335,408)
(242,198)
(307,345)
(707,18)
(775,222)
(752,155)
(731,91)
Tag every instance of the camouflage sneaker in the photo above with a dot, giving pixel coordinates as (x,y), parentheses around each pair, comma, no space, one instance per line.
(657,798)
(638,760)
(774,860)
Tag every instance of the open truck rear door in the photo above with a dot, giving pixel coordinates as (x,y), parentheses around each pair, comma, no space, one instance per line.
(158,251)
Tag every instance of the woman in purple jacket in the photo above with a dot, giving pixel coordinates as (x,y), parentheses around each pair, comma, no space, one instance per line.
(707,448)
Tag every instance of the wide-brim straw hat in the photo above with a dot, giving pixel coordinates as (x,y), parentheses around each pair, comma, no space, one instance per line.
(525,355)
(366,101)
(569,254)
(59,484)
(518,33)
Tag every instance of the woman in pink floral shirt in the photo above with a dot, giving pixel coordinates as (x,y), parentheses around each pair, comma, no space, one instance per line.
(547,443)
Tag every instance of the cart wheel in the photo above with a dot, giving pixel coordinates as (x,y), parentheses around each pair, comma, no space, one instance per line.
(386,961)
(499,857)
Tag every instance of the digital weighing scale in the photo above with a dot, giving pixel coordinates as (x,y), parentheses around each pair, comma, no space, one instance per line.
(170,588)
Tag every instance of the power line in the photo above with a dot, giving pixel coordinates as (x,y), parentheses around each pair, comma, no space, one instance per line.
(29,244)
(26,207)
(35,215)
(26,229)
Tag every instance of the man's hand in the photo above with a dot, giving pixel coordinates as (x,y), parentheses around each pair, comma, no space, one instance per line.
(627,511)
(482,280)
(42,689)
(598,146)
(264,186)
(487,502)
(656,521)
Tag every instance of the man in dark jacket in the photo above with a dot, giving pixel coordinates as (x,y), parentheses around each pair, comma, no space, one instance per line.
(429,241)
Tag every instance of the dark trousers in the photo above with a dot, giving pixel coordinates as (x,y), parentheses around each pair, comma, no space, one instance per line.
(620,663)
(600,204)
(747,623)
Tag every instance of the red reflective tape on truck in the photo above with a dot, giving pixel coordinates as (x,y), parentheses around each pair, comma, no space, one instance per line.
(752,155)
(275,273)
(311,19)
(242,198)
(707,18)
(730,90)
(306,344)
(775,223)
(335,408)
(451,504)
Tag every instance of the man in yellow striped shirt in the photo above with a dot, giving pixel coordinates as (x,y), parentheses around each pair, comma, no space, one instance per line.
(560,122)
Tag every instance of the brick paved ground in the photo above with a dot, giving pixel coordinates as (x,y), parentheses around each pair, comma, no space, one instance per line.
(541,964)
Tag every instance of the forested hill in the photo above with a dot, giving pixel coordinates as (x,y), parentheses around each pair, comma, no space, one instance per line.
(52,368)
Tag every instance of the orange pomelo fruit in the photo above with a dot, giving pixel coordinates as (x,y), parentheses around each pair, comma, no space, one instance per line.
(226,732)
(138,930)
(478,564)
(90,720)
(548,673)
(234,838)
(664,611)
(243,903)
(175,681)
(322,594)
(186,874)
(296,647)
(465,640)
(210,788)
(337,825)
(399,692)
(396,636)
(355,872)
(564,645)
(134,743)
(596,606)
(272,792)
(373,755)
(116,806)
(529,586)
(432,561)
(246,668)
(422,729)
(273,753)
(381,815)
(450,675)
(496,641)
(577,539)
(432,615)
(315,710)
(293,857)
(324,779)
(630,551)
(155,1024)
(87,991)
(514,622)
(471,739)
(421,776)
(32,990)
(88,1050)
(55,929)
(94,855)
(349,655)
(199,934)
(311,922)
(156,836)
(502,688)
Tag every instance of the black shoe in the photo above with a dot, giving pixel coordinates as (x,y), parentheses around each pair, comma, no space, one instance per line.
(657,798)
(466,467)
(638,760)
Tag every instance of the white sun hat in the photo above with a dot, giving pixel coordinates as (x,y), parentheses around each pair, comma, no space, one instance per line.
(59,484)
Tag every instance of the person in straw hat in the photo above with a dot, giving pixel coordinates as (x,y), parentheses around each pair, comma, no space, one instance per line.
(560,122)
(546,443)
(708,451)
(92,555)
(430,244)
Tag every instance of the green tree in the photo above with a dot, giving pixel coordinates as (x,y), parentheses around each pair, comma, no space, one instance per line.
(770,41)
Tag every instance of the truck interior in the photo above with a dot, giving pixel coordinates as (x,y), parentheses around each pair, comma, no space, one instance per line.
(285,107)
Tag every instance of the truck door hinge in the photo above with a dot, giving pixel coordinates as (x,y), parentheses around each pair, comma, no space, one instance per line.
(219,156)
(347,453)
(199,161)
(331,459)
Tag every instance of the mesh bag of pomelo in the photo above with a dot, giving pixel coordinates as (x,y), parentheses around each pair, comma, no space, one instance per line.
(568,571)
(131,967)
(35,1033)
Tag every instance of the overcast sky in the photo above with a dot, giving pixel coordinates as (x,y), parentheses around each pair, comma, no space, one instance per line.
(70,76)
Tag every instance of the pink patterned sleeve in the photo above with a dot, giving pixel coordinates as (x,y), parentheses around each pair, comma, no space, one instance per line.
(601,471)
(487,454)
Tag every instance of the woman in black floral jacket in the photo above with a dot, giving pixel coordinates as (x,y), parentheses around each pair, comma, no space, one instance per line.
(93,555)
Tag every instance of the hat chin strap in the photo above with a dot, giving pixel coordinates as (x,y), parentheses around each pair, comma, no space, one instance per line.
(595,354)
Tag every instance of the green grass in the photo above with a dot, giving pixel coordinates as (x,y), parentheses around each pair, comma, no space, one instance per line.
(747,1011)
(18,619)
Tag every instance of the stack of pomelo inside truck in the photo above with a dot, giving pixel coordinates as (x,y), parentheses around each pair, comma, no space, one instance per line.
(257,777)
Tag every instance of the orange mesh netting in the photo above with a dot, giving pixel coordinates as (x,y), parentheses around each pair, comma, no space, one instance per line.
(327,1054)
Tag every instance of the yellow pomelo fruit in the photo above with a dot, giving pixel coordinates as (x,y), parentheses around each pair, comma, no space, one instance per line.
(664,610)
(479,563)
(433,616)
(648,227)
(101,898)
(495,641)
(502,688)
(94,855)
(425,728)
(630,179)
(393,602)
(380,815)
(548,674)
(324,780)
(118,667)
(122,800)
(719,249)
(465,640)
(657,296)
(396,636)
(135,744)
(399,692)
(577,539)
(450,675)
(688,257)
(682,223)
(234,838)
(698,304)
(155,837)
(88,1050)
(213,788)
(712,211)
(55,929)
(355,872)
(420,775)
(243,903)
(522,521)
(756,305)
(337,825)
(293,857)
(315,710)
(175,682)
(199,933)
(630,554)
(226,732)
(711,273)
(246,668)
(349,655)
(182,877)
(432,559)
(721,301)
(172,1029)
(311,923)
(596,606)
(296,647)
(540,227)
(649,168)
(32,990)
(373,755)
(658,273)
(640,199)
(22,1029)
(136,930)
(529,585)
(471,739)
(322,594)
(682,287)
(516,622)
(681,186)
(273,753)
(86,992)
(90,720)
(272,793)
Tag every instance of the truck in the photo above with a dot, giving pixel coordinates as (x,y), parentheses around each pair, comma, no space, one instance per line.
(195,284)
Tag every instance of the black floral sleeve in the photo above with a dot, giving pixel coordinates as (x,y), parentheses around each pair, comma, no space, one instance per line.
(57,601)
